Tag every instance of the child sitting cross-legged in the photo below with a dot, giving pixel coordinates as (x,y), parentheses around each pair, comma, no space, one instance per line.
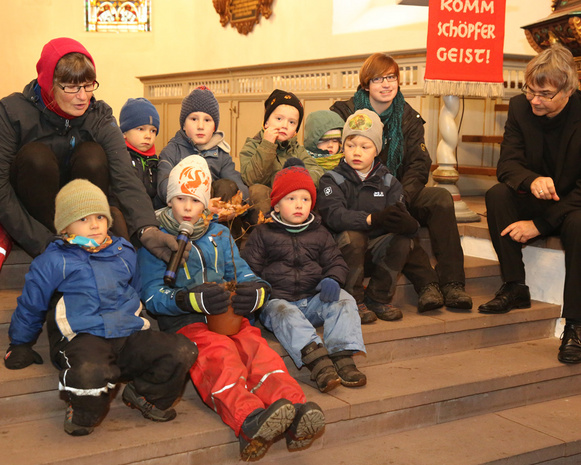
(238,376)
(86,286)
(301,260)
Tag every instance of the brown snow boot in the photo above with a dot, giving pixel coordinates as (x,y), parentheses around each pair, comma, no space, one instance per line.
(316,358)
(346,369)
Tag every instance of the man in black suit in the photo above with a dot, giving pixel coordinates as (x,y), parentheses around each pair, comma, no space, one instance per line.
(540,186)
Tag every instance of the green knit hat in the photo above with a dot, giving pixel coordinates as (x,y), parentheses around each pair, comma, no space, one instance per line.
(77,199)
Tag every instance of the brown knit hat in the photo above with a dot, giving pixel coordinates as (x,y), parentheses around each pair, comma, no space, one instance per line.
(77,199)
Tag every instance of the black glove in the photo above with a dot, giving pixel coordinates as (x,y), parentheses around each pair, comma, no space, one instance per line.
(329,290)
(395,219)
(20,356)
(379,218)
(162,245)
(399,221)
(208,298)
(250,296)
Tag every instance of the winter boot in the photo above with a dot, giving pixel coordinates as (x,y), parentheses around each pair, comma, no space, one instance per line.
(366,315)
(262,426)
(430,298)
(346,369)
(455,296)
(132,399)
(386,312)
(316,358)
(309,421)
(72,428)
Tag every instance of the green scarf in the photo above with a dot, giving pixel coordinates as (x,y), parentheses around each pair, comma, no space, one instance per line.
(391,118)
(170,224)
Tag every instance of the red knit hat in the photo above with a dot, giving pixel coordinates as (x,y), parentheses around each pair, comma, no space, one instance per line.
(289,180)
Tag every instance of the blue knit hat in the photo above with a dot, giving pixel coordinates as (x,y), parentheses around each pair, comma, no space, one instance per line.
(137,112)
(200,99)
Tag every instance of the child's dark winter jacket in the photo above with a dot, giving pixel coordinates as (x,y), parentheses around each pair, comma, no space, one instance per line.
(415,169)
(294,263)
(100,292)
(217,156)
(345,201)
(146,170)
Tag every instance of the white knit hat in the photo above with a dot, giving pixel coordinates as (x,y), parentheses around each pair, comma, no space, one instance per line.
(192,177)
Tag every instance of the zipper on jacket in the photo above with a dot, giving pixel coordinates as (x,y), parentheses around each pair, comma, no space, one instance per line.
(296,260)
(215,253)
(202,261)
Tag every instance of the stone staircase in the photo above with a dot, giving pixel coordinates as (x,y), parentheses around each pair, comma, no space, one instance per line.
(444,387)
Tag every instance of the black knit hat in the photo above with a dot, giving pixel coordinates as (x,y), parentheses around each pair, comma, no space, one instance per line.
(281,97)
(200,99)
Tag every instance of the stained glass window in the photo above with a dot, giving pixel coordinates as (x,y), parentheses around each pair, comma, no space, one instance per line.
(117,16)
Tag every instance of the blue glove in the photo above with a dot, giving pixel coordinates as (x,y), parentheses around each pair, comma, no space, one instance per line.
(329,290)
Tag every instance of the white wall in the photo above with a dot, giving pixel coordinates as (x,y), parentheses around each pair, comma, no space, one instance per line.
(187,36)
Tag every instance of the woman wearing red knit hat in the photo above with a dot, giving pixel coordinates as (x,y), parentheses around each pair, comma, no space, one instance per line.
(54,131)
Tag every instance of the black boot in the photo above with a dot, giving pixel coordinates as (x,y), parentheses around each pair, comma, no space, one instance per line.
(316,358)
(262,427)
(308,424)
(346,369)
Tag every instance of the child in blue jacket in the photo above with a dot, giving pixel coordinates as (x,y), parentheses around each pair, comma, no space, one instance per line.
(238,376)
(86,286)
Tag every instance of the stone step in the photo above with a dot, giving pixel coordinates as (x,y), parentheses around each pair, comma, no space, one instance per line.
(482,278)
(456,392)
(416,335)
(546,432)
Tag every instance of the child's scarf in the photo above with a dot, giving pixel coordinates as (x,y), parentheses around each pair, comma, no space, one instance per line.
(170,224)
(292,228)
(392,118)
(90,245)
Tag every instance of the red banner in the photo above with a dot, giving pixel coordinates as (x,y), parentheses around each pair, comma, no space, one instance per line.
(465,40)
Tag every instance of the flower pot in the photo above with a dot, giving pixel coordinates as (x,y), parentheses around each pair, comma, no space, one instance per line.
(226,324)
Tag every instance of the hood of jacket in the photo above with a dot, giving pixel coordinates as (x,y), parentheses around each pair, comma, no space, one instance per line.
(51,53)
(317,124)
(217,140)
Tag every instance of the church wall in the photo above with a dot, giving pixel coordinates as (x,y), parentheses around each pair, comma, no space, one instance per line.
(187,36)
